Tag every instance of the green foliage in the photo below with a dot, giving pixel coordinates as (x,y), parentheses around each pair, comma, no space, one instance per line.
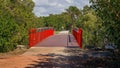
(57,21)
(16,18)
(8,32)
(92,27)
(74,13)
(109,12)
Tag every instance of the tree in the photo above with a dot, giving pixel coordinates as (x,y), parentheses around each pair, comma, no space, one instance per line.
(16,18)
(109,12)
(74,13)
(8,32)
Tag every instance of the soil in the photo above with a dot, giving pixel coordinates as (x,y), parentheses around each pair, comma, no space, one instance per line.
(16,59)
(54,57)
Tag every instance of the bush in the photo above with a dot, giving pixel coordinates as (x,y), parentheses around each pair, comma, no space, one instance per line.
(8,32)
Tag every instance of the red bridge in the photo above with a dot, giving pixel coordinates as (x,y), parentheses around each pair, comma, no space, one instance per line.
(45,37)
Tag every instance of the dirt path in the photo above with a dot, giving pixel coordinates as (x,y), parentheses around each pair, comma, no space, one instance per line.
(38,57)
(57,57)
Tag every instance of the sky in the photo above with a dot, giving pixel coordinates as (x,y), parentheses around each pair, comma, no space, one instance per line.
(46,7)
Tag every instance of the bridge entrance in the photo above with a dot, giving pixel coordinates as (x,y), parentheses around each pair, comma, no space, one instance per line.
(45,37)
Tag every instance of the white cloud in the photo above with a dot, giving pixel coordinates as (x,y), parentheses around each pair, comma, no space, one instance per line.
(37,2)
(60,5)
(70,1)
(46,7)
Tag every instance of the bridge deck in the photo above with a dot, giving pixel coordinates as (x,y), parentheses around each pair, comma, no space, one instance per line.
(58,40)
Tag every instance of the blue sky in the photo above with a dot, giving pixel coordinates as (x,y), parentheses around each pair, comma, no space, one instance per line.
(46,7)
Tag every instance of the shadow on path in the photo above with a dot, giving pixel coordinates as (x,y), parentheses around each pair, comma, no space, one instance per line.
(75,58)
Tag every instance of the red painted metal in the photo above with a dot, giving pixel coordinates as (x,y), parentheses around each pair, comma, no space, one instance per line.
(32,38)
(39,34)
(77,33)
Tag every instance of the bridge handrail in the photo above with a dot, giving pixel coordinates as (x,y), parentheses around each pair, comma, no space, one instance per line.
(77,33)
(36,35)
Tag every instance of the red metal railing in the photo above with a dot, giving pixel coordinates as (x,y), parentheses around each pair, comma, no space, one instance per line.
(77,33)
(36,35)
